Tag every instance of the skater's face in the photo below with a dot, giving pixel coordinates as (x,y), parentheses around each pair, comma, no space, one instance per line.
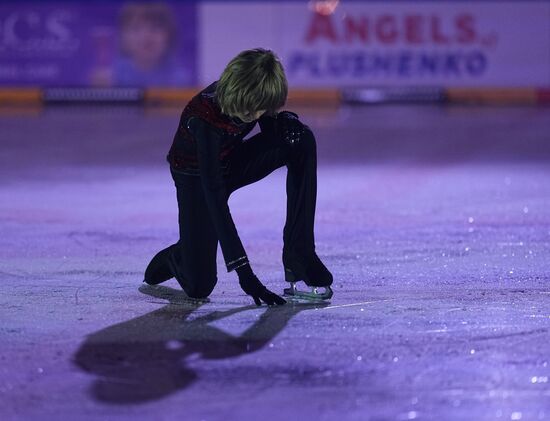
(248,116)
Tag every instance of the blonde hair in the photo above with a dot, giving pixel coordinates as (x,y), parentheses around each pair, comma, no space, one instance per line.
(254,80)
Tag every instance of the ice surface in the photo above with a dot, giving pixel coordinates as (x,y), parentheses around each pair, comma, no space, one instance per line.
(439,250)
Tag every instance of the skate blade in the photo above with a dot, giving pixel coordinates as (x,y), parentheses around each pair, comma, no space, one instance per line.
(295,294)
(172,295)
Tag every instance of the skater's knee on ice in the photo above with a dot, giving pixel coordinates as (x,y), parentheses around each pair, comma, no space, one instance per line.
(202,289)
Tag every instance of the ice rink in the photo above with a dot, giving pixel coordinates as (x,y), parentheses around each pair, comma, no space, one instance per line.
(435,222)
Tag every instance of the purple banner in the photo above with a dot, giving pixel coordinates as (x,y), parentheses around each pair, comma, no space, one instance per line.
(98,44)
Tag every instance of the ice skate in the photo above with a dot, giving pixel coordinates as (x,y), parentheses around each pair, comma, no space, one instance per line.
(313,295)
(160,268)
(314,274)
(174,296)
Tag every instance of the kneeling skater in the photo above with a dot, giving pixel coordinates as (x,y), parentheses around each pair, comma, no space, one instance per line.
(210,159)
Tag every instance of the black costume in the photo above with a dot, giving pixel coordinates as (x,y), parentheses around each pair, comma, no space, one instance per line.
(209,159)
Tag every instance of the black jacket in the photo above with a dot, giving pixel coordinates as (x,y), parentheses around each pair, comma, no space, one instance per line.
(202,146)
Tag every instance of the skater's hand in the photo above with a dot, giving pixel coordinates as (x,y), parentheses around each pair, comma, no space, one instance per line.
(250,284)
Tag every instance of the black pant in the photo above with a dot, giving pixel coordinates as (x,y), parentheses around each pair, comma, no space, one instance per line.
(192,260)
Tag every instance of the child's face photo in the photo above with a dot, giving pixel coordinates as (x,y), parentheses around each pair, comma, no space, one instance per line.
(145,42)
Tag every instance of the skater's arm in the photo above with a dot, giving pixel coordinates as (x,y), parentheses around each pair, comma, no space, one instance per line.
(208,145)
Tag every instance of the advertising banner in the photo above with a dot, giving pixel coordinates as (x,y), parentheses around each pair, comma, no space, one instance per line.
(98,44)
(342,44)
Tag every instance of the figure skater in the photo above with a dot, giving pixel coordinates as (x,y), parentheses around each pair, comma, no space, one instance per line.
(210,159)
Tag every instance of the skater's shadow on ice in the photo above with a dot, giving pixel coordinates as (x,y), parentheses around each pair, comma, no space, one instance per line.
(144,359)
